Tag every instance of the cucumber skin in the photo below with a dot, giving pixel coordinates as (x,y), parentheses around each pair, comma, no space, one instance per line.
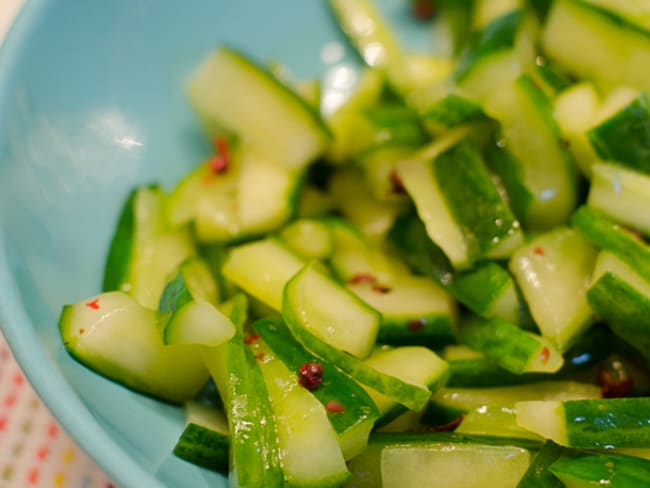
(499,35)
(626,310)
(175,295)
(538,474)
(608,423)
(479,288)
(502,342)
(472,197)
(625,137)
(606,234)
(204,447)
(255,449)
(411,396)
(435,330)
(359,407)
(617,471)
(118,261)
(453,110)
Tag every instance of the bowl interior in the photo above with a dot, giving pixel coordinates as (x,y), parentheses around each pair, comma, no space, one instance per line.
(92,104)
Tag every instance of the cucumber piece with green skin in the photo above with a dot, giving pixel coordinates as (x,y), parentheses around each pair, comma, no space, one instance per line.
(352,194)
(542,184)
(377,46)
(491,466)
(259,198)
(354,423)
(235,308)
(621,194)
(310,238)
(451,111)
(510,347)
(575,110)
(615,471)
(308,445)
(606,423)
(488,289)
(351,129)
(625,136)
(598,43)
(609,236)
(418,178)
(255,450)
(298,318)
(378,165)
(355,255)
(205,441)
(488,11)
(120,339)
(266,115)
(414,310)
(490,411)
(412,364)
(625,308)
(554,272)
(496,35)
(591,349)
(331,312)
(538,474)
(262,269)
(187,318)
(144,252)
(366,468)
(489,227)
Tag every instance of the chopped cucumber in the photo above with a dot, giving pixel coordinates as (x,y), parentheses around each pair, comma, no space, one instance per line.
(119,338)
(615,471)
(554,272)
(233,91)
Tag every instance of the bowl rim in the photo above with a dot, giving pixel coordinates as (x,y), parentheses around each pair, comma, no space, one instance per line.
(58,396)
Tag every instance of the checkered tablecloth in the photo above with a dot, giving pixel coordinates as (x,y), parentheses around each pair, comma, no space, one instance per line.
(34,451)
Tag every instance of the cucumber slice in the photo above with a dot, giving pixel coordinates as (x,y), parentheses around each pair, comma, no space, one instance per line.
(144,253)
(354,423)
(255,448)
(418,178)
(120,339)
(489,227)
(309,449)
(367,32)
(366,467)
(540,165)
(414,310)
(298,318)
(625,306)
(625,136)
(538,474)
(267,116)
(379,170)
(510,347)
(596,43)
(575,111)
(186,318)
(622,195)
(412,364)
(554,272)
(309,238)
(205,441)
(262,269)
(608,424)
(451,111)
(609,236)
(605,470)
(491,466)
(355,202)
(332,313)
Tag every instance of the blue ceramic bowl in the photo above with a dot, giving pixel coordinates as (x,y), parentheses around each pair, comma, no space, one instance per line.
(91,104)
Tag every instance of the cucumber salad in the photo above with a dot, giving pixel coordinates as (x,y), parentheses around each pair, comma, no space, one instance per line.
(441,279)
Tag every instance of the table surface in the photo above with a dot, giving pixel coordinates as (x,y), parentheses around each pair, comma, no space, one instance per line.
(35,452)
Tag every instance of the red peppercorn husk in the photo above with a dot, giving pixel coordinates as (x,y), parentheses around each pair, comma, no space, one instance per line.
(614,380)
(310,376)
